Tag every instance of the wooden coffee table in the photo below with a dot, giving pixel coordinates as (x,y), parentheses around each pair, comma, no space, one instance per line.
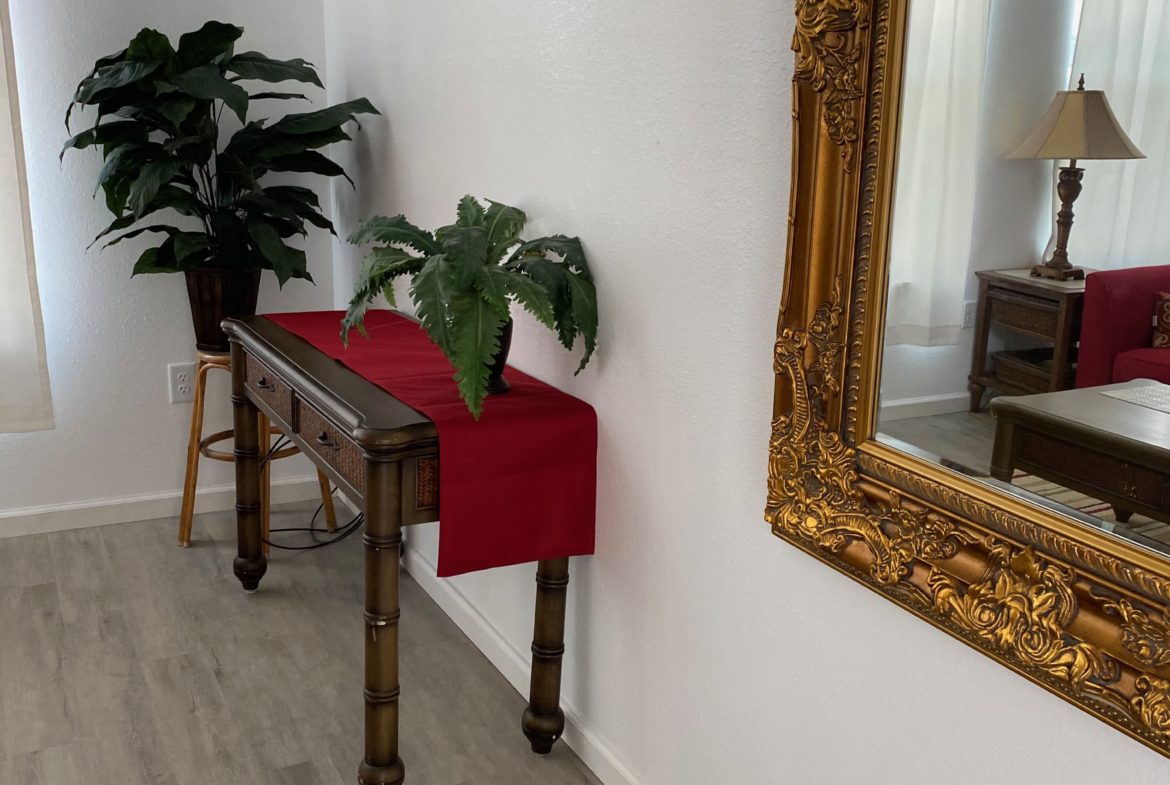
(1110,449)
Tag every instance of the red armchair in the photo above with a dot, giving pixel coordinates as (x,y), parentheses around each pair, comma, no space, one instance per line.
(1117,328)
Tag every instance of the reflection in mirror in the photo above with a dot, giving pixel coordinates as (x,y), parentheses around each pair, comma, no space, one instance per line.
(1021,349)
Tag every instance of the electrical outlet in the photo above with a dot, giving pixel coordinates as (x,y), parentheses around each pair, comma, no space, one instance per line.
(968,314)
(181,382)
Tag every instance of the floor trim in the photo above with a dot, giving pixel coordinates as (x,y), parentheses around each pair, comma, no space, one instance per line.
(926,406)
(514,666)
(144,507)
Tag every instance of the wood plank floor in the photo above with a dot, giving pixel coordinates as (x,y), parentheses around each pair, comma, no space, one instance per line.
(125,660)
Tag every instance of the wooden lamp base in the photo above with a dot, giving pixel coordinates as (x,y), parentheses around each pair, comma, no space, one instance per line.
(1068,188)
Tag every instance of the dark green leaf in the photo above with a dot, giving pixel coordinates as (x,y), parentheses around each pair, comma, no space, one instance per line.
(151,46)
(466,248)
(492,284)
(113,76)
(111,133)
(168,230)
(190,247)
(279,96)
(207,43)
(469,212)
(253,65)
(477,327)
(147,186)
(157,260)
(324,119)
(206,82)
(551,276)
(122,161)
(175,109)
(532,296)
(309,161)
(584,299)
(434,291)
(396,231)
(286,262)
(504,225)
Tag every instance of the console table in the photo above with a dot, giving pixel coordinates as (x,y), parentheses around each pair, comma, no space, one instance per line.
(1035,307)
(384,453)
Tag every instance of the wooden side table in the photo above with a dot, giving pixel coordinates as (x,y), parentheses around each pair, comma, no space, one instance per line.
(1036,307)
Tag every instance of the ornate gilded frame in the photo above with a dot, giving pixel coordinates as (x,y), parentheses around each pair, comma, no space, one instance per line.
(1071,608)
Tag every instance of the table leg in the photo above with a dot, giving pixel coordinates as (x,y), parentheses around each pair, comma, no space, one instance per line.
(250,564)
(1003,451)
(383,541)
(543,720)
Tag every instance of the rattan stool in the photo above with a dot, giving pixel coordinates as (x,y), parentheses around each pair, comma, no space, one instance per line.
(200,445)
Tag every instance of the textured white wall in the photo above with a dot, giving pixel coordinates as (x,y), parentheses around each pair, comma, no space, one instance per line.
(110,337)
(701,649)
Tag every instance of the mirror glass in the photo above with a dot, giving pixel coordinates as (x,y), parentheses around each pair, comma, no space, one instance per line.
(1027,334)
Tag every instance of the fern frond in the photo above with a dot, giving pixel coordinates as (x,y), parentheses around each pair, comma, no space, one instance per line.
(396,231)
(469,212)
(436,292)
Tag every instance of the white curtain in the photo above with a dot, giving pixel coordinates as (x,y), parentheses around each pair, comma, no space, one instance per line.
(934,196)
(1123,213)
(24,378)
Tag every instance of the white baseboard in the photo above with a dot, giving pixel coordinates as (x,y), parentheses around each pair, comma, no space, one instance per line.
(581,738)
(926,406)
(144,507)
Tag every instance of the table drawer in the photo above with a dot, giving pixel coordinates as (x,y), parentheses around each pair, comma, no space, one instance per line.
(269,388)
(1030,315)
(339,451)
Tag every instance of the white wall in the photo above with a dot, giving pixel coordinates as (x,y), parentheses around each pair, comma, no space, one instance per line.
(701,649)
(110,337)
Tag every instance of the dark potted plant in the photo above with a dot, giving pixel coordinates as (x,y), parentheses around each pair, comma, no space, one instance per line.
(464,278)
(159,112)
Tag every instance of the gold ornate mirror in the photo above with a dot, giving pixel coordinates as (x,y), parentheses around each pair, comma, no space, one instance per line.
(972,415)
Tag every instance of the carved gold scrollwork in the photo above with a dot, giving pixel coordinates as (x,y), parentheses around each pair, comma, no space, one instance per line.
(813,493)
(828,56)
(1144,635)
(1023,606)
(1152,703)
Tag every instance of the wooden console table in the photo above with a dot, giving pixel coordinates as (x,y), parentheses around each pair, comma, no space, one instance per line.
(1036,307)
(378,450)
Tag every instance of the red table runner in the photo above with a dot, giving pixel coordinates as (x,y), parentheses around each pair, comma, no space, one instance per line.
(517,486)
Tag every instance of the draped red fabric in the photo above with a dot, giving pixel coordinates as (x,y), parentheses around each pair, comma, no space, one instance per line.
(517,486)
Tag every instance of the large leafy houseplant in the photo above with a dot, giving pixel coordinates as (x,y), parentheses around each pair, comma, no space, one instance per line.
(464,278)
(160,112)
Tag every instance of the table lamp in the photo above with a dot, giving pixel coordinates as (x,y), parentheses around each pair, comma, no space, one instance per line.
(1079,125)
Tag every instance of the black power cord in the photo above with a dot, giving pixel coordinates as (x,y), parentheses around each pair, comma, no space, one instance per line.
(354,524)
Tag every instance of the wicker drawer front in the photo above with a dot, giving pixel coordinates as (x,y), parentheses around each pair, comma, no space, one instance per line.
(331,444)
(1025,314)
(420,490)
(269,388)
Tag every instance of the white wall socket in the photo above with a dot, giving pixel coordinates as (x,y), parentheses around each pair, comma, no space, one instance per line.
(181,382)
(968,314)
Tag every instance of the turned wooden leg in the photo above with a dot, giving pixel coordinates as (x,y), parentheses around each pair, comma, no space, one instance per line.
(383,540)
(250,564)
(976,391)
(543,720)
(191,479)
(265,426)
(327,501)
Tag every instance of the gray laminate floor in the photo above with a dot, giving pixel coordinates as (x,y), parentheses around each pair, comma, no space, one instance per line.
(125,660)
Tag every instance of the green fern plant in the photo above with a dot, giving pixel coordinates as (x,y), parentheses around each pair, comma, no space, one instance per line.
(465,277)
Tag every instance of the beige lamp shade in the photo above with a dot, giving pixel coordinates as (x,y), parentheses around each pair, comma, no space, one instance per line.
(1079,124)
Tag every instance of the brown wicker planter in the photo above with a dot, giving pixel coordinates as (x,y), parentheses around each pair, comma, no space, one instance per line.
(215,295)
